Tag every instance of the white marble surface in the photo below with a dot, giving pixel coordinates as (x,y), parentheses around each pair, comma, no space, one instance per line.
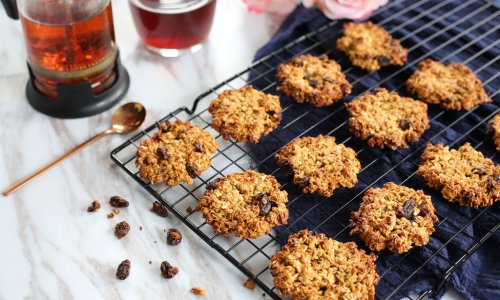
(51,248)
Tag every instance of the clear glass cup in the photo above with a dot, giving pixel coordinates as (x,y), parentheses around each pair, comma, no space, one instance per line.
(173,27)
(69,42)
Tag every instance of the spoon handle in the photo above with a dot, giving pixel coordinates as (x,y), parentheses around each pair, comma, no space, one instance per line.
(15,186)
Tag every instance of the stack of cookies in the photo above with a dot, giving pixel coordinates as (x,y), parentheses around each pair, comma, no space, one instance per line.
(393,217)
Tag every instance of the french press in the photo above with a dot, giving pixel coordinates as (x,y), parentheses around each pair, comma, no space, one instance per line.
(73,61)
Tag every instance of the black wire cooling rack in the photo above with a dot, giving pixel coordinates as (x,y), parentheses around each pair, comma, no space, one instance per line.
(251,256)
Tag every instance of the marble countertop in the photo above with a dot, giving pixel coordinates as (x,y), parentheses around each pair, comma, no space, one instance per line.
(51,247)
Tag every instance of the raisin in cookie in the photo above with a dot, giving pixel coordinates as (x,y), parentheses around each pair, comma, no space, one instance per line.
(394,217)
(464,176)
(245,114)
(370,47)
(385,119)
(494,129)
(247,204)
(316,80)
(453,86)
(313,266)
(319,165)
(177,153)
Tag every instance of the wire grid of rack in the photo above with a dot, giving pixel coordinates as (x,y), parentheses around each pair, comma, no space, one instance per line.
(251,256)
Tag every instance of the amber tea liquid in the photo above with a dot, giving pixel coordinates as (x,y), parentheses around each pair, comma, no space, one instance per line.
(172,24)
(71,53)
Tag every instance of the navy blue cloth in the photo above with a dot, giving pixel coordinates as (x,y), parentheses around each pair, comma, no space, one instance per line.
(461,31)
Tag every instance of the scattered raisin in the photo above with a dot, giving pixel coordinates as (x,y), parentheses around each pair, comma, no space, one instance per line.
(479,171)
(424,210)
(174,237)
(159,209)
(123,270)
(492,183)
(407,210)
(162,153)
(212,185)
(163,127)
(116,211)
(167,270)
(94,206)
(199,147)
(265,205)
(184,131)
(313,83)
(192,170)
(121,229)
(117,201)
(405,124)
(189,209)
(110,215)
(140,227)
(198,291)
(383,60)
(249,284)
(304,181)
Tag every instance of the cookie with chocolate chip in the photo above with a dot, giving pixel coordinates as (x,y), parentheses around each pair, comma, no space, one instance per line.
(245,114)
(494,130)
(316,80)
(394,217)
(463,176)
(385,119)
(247,204)
(451,86)
(371,47)
(177,153)
(313,266)
(319,165)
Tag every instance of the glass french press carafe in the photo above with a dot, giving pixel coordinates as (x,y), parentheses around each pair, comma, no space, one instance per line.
(73,60)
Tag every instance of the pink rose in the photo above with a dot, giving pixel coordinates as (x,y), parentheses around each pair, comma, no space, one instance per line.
(281,7)
(346,9)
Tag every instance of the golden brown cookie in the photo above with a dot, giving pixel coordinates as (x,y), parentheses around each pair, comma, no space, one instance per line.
(245,114)
(464,176)
(370,47)
(453,86)
(247,204)
(385,119)
(494,129)
(313,266)
(319,165)
(177,153)
(394,217)
(316,80)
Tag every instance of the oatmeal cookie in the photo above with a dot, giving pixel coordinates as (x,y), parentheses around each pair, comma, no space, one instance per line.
(247,204)
(371,47)
(453,86)
(317,80)
(385,119)
(245,114)
(313,266)
(177,153)
(494,129)
(319,165)
(394,217)
(464,176)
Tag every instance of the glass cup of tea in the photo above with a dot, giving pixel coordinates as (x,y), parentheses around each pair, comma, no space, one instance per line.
(173,27)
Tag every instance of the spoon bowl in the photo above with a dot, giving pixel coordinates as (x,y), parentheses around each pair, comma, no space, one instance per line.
(128,117)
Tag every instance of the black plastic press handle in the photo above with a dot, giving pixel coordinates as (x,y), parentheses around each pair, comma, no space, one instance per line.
(11,8)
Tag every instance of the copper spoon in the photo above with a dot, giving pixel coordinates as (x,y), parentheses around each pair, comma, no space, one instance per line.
(127,118)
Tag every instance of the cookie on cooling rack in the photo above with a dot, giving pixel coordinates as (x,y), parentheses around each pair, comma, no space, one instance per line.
(313,266)
(394,217)
(247,204)
(494,130)
(385,119)
(463,176)
(371,47)
(316,80)
(177,153)
(245,114)
(319,165)
(453,86)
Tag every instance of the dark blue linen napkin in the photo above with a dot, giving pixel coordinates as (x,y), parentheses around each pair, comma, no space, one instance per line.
(461,31)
